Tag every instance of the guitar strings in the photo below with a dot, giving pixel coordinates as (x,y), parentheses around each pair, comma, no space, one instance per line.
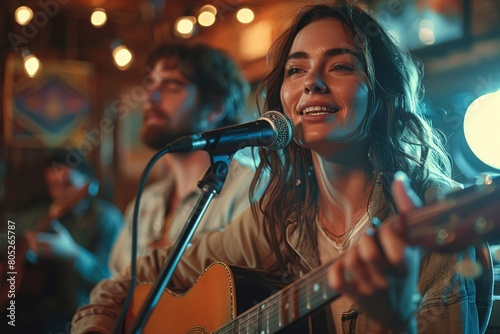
(291,294)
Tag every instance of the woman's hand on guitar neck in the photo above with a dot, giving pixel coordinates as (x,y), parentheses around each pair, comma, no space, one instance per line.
(57,246)
(380,274)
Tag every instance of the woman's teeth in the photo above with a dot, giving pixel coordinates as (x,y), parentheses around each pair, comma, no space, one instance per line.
(317,110)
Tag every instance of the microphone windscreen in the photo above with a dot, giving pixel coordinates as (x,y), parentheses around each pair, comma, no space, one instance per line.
(283,127)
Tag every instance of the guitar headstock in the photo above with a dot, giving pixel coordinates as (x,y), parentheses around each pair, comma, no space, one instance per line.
(461,219)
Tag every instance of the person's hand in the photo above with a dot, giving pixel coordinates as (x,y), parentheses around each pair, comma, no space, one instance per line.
(381,272)
(57,246)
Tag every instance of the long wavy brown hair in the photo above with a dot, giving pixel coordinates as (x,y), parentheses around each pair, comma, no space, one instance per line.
(400,137)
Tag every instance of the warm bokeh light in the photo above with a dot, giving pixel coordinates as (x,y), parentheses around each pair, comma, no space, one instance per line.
(23,15)
(98,17)
(207,15)
(185,25)
(482,128)
(122,57)
(245,15)
(31,65)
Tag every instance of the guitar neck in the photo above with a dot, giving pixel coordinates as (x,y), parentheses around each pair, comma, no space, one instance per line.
(464,218)
(293,302)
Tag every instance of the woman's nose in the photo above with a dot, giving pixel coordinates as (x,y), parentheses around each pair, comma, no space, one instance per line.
(314,84)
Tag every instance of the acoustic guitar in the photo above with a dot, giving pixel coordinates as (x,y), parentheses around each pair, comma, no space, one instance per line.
(464,218)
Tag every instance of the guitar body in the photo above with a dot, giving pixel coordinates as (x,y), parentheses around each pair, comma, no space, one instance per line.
(206,306)
(211,303)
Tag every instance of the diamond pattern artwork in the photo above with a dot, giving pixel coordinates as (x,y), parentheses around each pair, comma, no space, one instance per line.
(50,109)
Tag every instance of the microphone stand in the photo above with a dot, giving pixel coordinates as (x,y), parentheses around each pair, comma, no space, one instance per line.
(210,185)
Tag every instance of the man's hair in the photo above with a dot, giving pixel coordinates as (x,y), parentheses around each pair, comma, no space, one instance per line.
(214,73)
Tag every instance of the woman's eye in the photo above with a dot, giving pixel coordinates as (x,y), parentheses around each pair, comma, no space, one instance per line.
(292,70)
(343,67)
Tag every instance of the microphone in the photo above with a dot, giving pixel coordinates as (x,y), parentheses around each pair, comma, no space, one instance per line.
(273,130)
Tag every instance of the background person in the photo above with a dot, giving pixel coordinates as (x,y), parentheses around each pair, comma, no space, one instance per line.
(64,261)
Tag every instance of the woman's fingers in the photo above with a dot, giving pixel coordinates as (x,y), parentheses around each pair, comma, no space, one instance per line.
(405,197)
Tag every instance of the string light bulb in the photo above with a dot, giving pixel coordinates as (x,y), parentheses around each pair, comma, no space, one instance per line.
(23,15)
(122,56)
(207,15)
(98,17)
(245,15)
(32,64)
(185,26)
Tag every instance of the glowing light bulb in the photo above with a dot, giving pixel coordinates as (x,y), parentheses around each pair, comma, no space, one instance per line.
(481,122)
(122,57)
(245,15)
(23,15)
(31,65)
(98,17)
(185,25)
(207,15)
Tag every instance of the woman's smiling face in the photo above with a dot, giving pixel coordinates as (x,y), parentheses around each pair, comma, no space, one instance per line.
(323,89)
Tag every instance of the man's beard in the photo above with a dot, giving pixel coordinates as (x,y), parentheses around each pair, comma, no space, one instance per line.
(157,138)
